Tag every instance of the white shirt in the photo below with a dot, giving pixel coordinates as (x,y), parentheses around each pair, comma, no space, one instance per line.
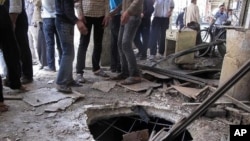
(48,9)
(162,7)
(192,14)
(15,6)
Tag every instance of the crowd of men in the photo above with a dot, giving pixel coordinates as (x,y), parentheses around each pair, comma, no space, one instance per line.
(31,29)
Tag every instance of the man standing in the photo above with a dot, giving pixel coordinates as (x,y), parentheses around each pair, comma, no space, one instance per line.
(19,20)
(142,35)
(49,28)
(221,15)
(130,21)
(65,21)
(115,7)
(192,13)
(160,23)
(179,21)
(92,13)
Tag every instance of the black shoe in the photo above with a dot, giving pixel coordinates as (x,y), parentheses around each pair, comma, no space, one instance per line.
(75,84)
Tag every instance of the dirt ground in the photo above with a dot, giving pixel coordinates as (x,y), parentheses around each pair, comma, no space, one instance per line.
(24,122)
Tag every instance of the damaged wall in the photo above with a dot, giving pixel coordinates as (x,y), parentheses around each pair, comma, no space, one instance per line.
(238,52)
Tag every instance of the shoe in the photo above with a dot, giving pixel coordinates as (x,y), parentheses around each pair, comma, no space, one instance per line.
(41,67)
(25,80)
(75,84)
(80,79)
(151,57)
(64,89)
(131,80)
(113,70)
(101,73)
(120,76)
(46,68)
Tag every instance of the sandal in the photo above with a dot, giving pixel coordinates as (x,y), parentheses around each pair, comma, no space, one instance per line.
(75,84)
(3,107)
(131,80)
(64,89)
(101,73)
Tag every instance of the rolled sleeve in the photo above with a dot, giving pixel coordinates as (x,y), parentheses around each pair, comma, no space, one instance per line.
(15,6)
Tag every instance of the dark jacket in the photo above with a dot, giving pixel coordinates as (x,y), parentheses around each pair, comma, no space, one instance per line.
(65,11)
(148,8)
(179,20)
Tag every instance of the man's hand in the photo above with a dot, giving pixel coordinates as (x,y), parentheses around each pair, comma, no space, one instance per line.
(124,17)
(169,13)
(81,27)
(2,2)
(105,21)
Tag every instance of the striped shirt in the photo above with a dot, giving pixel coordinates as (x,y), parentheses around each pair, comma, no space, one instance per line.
(93,8)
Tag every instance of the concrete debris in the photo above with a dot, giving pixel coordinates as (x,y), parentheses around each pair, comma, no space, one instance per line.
(143,86)
(156,75)
(51,115)
(60,105)
(50,82)
(215,112)
(198,95)
(45,96)
(142,135)
(104,86)
(13,97)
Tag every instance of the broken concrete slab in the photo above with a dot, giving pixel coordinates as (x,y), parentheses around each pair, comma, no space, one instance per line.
(60,105)
(189,92)
(142,86)
(104,86)
(45,96)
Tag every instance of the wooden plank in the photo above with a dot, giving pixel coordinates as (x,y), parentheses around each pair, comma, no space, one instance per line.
(239,104)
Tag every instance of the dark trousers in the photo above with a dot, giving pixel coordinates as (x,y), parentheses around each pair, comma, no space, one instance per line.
(158,35)
(21,32)
(115,58)
(84,43)
(1,90)
(49,29)
(10,49)
(41,46)
(142,36)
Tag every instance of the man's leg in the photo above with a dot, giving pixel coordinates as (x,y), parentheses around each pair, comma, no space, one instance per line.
(49,30)
(164,25)
(154,35)
(98,36)
(21,31)
(115,58)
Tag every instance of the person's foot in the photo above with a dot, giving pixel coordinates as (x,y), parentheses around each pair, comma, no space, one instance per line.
(101,73)
(25,80)
(3,107)
(80,79)
(64,89)
(120,76)
(75,84)
(46,68)
(151,57)
(131,80)
(41,67)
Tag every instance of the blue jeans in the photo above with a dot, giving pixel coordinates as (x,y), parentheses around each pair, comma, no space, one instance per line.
(158,35)
(49,29)
(66,36)
(126,36)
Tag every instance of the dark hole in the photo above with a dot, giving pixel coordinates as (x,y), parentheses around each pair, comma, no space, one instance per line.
(112,129)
